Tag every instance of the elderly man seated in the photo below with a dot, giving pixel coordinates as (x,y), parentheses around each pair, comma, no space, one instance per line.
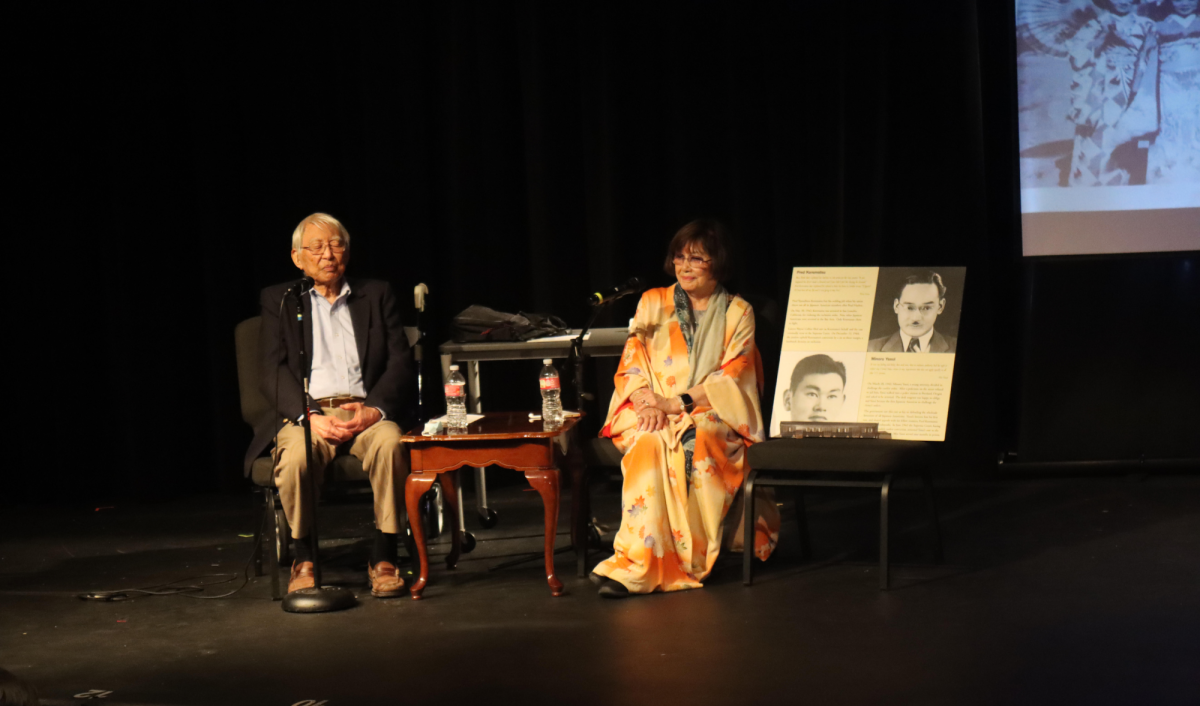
(360,379)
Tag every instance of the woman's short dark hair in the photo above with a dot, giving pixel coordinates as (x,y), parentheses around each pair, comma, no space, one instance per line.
(711,235)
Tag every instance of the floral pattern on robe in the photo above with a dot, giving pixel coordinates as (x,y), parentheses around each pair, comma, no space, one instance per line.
(672,525)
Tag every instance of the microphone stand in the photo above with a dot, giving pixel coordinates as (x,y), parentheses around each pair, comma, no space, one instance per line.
(419,293)
(577,360)
(318,599)
(577,342)
(577,355)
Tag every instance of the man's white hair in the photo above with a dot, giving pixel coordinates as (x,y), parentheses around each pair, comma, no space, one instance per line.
(322,219)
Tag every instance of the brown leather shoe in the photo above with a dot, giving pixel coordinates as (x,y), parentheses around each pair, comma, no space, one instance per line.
(302,576)
(385,580)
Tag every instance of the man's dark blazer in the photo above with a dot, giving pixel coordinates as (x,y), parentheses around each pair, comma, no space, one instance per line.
(383,355)
(894,344)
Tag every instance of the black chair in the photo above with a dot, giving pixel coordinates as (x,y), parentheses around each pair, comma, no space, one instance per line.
(597,453)
(839,463)
(345,471)
(343,476)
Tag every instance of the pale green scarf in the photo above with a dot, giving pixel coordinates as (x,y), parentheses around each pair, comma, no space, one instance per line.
(705,336)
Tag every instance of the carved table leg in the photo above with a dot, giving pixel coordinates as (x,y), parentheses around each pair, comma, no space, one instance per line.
(545,481)
(451,498)
(414,487)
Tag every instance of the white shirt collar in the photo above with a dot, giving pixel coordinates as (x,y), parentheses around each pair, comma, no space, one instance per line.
(905,338)
(345,292)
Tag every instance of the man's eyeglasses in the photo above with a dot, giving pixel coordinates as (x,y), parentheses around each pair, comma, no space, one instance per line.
(337,246)
(695,260)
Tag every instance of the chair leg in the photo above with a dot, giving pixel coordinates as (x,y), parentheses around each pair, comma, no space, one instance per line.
(262,537)
(462,520)
(448,481)
(269,510)
(935,526)
(802,523)
(883,532)
(748,528)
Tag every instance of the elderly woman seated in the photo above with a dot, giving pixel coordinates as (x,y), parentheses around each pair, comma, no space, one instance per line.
(685,409)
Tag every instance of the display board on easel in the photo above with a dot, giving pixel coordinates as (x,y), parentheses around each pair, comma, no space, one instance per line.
(868,351)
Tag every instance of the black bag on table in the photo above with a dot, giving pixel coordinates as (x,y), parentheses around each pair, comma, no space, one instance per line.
(479,323)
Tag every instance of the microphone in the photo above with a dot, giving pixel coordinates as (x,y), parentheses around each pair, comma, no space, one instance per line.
(419,293)
(633,285)
(301,286)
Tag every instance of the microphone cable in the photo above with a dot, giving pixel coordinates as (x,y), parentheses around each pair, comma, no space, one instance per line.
(170,589)
(190,591)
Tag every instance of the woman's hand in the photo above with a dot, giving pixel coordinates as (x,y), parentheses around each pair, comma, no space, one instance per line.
(651,419)
(646,398)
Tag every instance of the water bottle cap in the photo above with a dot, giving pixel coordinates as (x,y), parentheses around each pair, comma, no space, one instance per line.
(546,361)
(454,367)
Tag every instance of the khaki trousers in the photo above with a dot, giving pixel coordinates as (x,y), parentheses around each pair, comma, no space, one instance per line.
(378,448)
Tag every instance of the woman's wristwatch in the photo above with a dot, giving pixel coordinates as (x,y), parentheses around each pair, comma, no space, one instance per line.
(686,401)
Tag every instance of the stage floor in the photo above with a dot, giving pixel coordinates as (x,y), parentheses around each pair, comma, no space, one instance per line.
(1079,591)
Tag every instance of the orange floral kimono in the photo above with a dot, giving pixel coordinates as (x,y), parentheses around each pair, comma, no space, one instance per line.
(672,522)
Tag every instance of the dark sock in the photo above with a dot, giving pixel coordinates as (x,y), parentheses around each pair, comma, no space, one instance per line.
(384,548)
(303,549)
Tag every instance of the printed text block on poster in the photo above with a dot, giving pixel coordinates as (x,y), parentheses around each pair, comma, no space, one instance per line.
(830,308)
(908,394)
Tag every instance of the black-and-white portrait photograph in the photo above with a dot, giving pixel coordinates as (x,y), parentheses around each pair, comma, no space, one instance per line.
(817,387)
(1108,93)
(916,310)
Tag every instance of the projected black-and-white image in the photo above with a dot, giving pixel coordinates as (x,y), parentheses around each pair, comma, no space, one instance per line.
(1109,96)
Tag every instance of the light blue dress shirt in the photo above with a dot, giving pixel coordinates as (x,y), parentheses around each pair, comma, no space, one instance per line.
(336,370)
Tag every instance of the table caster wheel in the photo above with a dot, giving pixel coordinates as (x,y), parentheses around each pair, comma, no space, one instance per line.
(468,542)
(489,519)
(283,538)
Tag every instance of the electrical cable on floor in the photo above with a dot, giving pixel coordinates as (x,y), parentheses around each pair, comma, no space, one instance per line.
(187,591)
(170,589)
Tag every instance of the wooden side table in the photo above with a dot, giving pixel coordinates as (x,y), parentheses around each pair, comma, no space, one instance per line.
(506,439)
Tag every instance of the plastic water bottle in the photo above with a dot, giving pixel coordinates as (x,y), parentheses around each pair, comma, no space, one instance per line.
(552,414)
(456,402)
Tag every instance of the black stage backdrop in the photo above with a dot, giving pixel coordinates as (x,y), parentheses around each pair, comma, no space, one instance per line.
(516,155)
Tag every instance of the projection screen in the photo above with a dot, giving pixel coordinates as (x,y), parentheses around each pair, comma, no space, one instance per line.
(1108,95)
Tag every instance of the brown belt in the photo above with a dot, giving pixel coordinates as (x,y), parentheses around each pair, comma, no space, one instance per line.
(337,401)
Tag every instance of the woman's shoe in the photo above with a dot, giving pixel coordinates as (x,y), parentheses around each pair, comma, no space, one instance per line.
(596,578)
(613,589)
